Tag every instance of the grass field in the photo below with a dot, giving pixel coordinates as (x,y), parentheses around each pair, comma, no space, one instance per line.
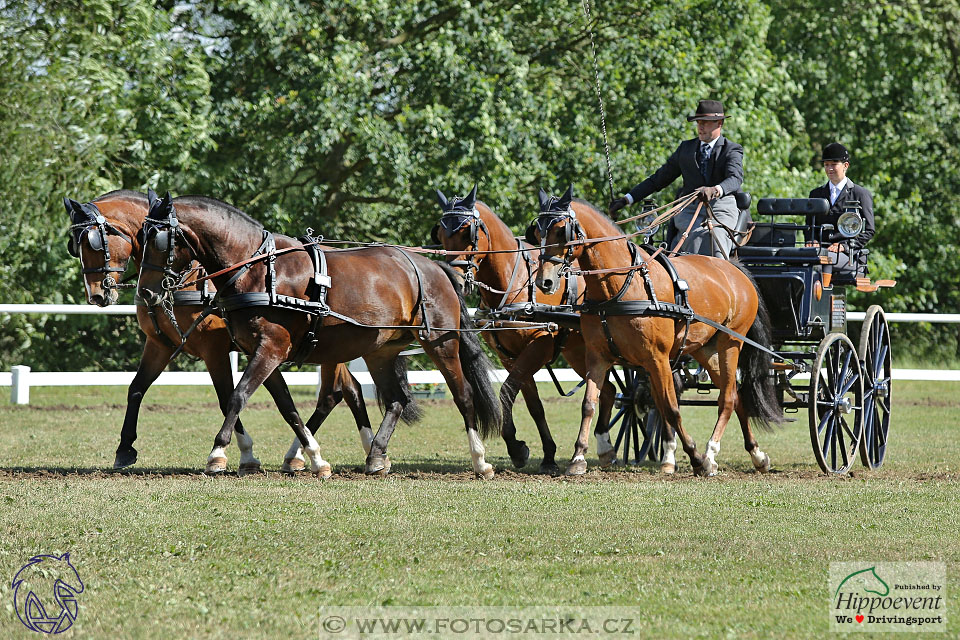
(165,552)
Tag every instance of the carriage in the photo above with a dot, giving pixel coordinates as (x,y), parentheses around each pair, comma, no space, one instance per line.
(846,389)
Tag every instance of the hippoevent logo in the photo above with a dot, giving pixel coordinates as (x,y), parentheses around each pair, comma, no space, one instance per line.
(45,593)
(888,596)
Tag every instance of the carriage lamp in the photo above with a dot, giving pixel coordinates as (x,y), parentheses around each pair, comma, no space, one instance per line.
(850,222)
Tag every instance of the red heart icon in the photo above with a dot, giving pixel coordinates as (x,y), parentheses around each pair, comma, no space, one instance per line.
(860,618)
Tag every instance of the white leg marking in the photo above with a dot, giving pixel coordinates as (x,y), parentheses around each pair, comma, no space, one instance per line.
(245,443)
(670,452)
(578,458)
(366,439)
(217,452)
(603,443)
(761,461)
(710,459)
(319,466)
(294,452)
(480,466)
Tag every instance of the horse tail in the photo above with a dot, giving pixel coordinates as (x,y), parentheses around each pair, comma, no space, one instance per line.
(757,387)
(476,367)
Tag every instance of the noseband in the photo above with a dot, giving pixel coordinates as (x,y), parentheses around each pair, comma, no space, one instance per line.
(96,230)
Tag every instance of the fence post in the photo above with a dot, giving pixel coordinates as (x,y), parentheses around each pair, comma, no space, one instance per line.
(20,384)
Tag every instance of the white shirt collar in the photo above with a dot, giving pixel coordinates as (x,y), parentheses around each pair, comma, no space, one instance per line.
(840,187)
(710,144)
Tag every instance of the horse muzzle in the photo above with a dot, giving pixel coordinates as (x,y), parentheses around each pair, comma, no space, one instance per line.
(150,297)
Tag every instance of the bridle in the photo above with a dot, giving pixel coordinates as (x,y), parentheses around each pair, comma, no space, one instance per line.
(451,222)
(573,233)
(163,233)
(96,230)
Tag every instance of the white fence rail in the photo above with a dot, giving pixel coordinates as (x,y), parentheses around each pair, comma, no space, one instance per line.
(20,378)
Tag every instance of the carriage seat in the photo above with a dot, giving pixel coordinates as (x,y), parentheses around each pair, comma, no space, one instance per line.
(779,240)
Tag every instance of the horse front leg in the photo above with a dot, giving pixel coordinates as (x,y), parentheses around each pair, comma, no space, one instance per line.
(531,359)
(665,397)
(221,374)
(596,374)
(277,387)
(152,363)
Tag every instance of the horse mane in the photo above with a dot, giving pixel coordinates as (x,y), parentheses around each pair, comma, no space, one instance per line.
(122,194)
(205,202)
(612,228)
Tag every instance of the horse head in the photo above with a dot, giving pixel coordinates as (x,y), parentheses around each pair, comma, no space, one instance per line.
(557,232)
(461,229)
(166,252)
(47,579)
(103,248)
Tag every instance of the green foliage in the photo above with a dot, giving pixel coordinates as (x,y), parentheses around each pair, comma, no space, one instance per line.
(345,115)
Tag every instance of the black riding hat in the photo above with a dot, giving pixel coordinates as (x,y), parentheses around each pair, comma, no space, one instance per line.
(835,152)
(708,110)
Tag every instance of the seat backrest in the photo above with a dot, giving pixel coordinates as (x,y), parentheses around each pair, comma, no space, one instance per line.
(743,200)
(792,206)
(768,235)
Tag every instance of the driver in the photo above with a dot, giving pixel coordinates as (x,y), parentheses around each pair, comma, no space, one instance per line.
(841,193)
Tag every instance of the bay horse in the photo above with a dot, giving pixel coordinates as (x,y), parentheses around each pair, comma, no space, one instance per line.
(284,302)
(719,290)
(105,234)
(469,225)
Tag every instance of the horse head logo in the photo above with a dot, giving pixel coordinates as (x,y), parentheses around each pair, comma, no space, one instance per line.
(865,580)
(55,580)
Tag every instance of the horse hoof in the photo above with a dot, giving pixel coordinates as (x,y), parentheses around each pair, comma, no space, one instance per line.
(577,468)
(215,466)
(608,459)
(520,461)
(323,472)
(764,467)
(668,469)
(707,470)
(249,468)
(486,472)
(550,468)
(292,465)
(377,466)
(124,459)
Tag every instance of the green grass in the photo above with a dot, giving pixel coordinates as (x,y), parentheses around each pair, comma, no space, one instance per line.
(166,552)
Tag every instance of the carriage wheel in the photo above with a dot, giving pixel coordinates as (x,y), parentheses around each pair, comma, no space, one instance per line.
(836,404)
(633,411)
(877,386)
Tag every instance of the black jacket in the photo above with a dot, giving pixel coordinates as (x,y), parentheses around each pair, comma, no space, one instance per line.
(850,191)
(726,169)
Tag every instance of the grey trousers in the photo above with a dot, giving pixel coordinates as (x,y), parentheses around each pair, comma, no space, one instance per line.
(700,240)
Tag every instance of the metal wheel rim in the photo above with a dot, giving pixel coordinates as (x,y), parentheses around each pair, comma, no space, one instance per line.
(836,384)
(876,358)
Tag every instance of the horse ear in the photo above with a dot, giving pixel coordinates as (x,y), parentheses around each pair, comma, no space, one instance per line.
(435,234)
(75,210)
(543,198)
(151,196)
(471,198)
(567,197)
(442,199)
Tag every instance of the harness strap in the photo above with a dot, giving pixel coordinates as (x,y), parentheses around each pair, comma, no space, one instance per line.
(317,290)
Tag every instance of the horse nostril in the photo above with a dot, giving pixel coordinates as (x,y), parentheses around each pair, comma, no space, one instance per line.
(98,300)
(149,296)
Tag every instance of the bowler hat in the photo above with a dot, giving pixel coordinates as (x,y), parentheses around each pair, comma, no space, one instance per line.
(708,110)
(835,152)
